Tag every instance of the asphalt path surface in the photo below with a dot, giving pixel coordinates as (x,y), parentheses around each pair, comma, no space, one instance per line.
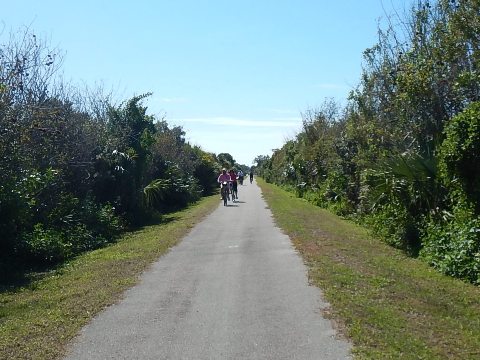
(234,288)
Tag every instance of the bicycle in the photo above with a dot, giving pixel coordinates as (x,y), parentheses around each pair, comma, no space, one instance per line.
(224,192)
(233,191)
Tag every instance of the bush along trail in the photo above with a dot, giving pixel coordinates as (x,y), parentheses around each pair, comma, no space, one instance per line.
(403,154)
(390,305)
(38,319)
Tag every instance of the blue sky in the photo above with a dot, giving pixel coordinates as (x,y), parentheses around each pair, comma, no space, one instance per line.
(235,75)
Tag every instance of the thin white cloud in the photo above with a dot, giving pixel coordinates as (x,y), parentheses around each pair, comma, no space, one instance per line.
(229,121)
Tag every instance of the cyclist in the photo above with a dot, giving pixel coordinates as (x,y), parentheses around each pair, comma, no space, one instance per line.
(233,179)
(224,176)
(240,176)
(251,176)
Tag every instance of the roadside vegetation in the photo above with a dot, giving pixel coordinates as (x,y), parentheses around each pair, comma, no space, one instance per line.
(78,168)
(39,318)
(390,305)
(403,156)
(89,189)
(81,171)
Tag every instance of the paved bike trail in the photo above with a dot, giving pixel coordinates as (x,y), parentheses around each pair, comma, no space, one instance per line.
(234,288)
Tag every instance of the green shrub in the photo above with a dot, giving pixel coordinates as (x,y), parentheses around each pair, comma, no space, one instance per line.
(101,220)
(45,245)
(396,195)
(173,192)
(333,194)
(314,196)
(71,228)
(80,238)
(394,225)
(300,189)
(460,155)
(25,200)
(182,192)
(13,215)
(206,173)
(452,245)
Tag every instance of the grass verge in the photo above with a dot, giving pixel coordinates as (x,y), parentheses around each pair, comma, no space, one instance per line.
(389,305)
(37,321)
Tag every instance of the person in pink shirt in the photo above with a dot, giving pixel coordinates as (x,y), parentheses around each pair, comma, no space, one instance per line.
(224,176)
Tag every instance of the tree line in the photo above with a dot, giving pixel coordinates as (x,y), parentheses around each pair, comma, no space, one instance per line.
(403,156)
(77,168)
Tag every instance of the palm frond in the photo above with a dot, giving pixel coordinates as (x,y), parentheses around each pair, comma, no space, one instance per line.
(411,179)
(155,191)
